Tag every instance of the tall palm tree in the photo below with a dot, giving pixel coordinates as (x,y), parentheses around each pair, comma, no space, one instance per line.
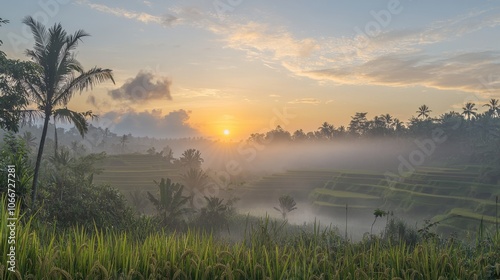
(469,110)
(423,111)
(59,78)
(493,107)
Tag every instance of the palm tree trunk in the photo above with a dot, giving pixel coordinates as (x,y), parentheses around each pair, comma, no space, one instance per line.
(39,158)
(55,137)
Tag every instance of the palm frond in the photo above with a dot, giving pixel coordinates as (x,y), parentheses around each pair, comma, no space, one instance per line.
(40,35)
(78,119)
(72,40)
(84,81)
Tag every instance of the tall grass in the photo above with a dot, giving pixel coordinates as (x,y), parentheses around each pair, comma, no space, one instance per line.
(265,253)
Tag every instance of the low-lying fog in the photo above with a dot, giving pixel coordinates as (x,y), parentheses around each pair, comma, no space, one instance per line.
(249,163)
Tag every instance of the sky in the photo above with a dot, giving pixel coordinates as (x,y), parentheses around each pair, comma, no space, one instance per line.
(197,68)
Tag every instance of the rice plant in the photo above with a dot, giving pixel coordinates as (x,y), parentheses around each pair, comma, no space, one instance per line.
(272,249)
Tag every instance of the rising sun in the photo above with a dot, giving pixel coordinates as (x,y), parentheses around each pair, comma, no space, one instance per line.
(226,132)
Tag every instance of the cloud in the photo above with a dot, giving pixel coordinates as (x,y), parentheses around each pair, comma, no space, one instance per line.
(142,88)
(469,72)
(153,124)
(394,57)
(91,100)
(312,101)
(253,36)
(200,92)
(141,17)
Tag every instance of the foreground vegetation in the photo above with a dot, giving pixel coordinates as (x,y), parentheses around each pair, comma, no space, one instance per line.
(268,250)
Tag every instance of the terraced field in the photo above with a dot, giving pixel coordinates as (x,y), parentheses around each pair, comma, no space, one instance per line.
(134,172)
(450,195)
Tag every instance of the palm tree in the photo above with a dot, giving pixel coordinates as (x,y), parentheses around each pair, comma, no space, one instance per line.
(388,120)
(191,159)
(287,205)
(123,141)
(68,116)
(194,179)
(59,78)
(215,212)
(469,110)
(138,200)
(326,130)
(377,213)
(423,111)
(493,107)
(29,140)
(171,204)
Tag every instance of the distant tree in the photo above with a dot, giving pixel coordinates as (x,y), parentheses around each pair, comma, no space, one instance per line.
(423,112)
(377,213)
(215,213)
(258,138)
(151,151)
(123,141)
(493,107)
(299,135)
(278,135)
(398,125)
(287,205)
(388,120)
(168,154)
(29,140)
(358,124)
(191,159)
(469,110)
(195,179)
(326,130)
(138,200)
(377,126)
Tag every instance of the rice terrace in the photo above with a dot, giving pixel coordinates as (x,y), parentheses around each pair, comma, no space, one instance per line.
(249,140)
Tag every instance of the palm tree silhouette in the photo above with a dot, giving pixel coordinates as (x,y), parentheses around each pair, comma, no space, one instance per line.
(287,205)
(29,140)
(171,203)
(326,130)
(388,120)
(123,141)
(191,159)
(59,77)
(194,180)
(469,110)
(493,107)
(423,111)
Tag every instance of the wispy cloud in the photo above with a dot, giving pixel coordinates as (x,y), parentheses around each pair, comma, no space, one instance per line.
(392,58)
(464,72)
(139,16)
(312,101)
(199,92)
